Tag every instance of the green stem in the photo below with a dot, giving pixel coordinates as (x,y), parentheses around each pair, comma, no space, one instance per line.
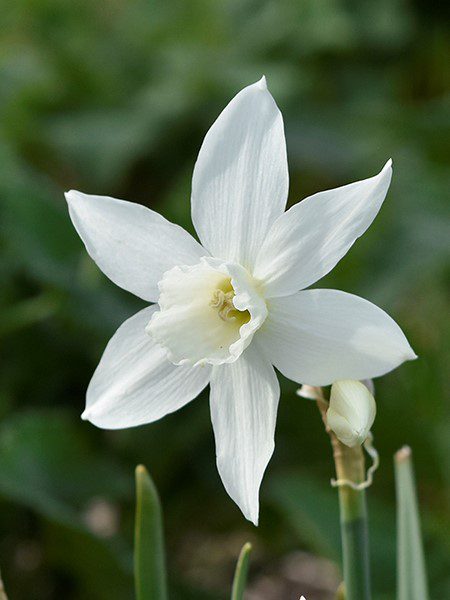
(349,463)
(355,546)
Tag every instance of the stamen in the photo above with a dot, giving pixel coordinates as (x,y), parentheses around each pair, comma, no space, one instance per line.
(223,301)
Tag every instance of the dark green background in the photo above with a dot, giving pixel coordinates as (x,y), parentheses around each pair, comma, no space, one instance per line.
(114,97)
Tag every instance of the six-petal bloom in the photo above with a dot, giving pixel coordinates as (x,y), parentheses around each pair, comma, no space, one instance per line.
(229,310)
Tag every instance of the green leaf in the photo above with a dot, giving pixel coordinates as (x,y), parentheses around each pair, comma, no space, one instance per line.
(411,571)
(101,566)
(27,312)
(49,465)
(240,575)
(310,509)
(149,561)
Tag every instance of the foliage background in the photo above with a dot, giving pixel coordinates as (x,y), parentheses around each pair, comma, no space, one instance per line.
(114,97)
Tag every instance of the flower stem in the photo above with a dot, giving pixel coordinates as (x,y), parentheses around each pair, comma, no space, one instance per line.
(349,464)
(354,530)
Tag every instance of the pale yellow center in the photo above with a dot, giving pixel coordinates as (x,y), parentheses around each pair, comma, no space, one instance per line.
(222,301)
(208,313)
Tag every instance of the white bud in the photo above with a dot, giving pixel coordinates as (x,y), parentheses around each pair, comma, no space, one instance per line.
(351,412)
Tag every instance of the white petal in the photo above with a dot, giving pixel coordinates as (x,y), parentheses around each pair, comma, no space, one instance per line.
(135,383)
(131,244)
(244,401)
(310,392)
(320,336)
(240,180)
(308,240)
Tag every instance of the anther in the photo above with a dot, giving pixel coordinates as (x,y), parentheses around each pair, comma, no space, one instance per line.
(223,301)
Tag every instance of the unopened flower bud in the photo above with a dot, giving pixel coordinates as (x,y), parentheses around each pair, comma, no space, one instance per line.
(351,412)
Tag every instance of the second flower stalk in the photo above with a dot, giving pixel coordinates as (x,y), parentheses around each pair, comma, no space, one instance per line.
(348,417)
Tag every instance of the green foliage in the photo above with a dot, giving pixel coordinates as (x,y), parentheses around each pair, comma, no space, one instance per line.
(311,512)
(49,468)
(149,560)
(240,575)
(411,570)
(115,98)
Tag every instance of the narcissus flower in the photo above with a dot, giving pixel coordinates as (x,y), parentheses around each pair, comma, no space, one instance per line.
(351,412)
(230,308)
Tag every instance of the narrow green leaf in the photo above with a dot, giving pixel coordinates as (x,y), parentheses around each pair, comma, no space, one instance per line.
(149,561)
(240,574)
(411,571)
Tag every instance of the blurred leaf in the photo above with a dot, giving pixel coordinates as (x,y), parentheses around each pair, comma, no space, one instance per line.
(34,226)
(311,510)
(101,568)
(411,570)
(48,466)
(241,573)
(27,312)
(149,560)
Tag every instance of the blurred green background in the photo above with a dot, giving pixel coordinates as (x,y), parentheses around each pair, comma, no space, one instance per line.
(114,97)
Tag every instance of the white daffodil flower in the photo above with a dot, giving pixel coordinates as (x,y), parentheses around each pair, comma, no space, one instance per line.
(351,412)
(230,308)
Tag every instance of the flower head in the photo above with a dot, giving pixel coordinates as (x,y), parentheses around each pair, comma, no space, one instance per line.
(228,309)
(351,412)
